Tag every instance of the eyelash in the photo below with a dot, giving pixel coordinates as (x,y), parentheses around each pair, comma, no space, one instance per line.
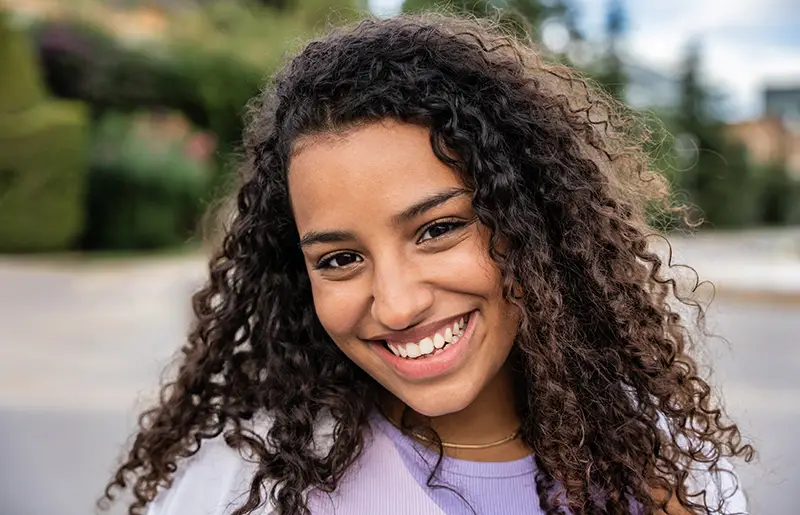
(325,263)
(451,225)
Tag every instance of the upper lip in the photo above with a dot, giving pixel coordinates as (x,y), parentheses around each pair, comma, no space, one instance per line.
(419,332)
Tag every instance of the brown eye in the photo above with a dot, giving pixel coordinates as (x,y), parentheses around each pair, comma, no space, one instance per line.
(342,259)
(439,229)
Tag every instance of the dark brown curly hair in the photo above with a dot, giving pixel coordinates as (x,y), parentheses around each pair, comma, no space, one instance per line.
(612,403)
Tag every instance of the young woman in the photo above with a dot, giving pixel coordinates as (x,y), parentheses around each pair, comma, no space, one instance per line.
(437,296)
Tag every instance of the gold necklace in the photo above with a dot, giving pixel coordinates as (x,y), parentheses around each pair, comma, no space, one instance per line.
(449,445)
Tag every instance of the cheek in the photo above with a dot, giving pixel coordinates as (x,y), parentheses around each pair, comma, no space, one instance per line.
(339,307)
(486,280)
(470,266)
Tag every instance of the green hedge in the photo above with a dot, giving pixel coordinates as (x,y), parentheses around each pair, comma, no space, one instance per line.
(42,177)
(143,194)
(209,86)
(21,87)
(42,155)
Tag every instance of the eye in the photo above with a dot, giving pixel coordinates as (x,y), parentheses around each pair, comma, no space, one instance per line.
(340,260)
(439,229)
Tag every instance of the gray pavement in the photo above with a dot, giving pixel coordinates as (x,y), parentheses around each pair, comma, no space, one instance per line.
(82,347)
(758,371)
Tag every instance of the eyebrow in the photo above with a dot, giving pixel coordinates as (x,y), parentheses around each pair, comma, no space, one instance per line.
(314,237)
(423,206)
(428,203)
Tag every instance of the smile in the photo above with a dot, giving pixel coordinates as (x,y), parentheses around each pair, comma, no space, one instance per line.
(430,345)
(441,349)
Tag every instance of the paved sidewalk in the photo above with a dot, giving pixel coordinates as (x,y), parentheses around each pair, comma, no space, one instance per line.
(57,321)
(759,265)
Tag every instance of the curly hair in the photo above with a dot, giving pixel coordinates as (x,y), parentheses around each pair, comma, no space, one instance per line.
(612,403)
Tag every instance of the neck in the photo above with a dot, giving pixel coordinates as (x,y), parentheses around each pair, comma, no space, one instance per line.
(492,416)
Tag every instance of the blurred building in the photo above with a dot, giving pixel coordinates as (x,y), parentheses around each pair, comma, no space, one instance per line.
(775,137)
(783,103)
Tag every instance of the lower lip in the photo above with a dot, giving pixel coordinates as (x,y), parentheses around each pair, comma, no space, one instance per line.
(432,366)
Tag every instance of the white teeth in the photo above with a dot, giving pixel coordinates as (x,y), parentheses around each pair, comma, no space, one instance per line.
(426,346)
(430,344)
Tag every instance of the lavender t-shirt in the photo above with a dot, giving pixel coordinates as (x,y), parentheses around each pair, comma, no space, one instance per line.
(391,478)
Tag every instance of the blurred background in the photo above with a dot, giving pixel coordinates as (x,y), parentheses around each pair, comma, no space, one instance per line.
(118,121)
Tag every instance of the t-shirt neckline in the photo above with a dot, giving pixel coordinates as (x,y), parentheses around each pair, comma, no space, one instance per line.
(428,457)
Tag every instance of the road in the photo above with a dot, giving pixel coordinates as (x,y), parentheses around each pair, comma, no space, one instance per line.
(81,348)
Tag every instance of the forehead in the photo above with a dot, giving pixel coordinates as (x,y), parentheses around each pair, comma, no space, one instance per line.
(367,175)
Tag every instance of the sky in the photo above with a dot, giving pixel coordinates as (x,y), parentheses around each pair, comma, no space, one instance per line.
(746,44)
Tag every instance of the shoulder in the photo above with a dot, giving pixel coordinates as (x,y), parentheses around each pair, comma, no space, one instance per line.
(720,483)
(216,480)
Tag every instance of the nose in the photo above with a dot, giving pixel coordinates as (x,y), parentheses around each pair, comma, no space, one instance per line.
(400,297)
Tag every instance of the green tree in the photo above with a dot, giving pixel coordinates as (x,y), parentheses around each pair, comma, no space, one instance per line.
(611,72)
(569,14)
(779,195)
(525,15)
(295,4)
(476,7)
(310,10)
(714,172)
(276,4)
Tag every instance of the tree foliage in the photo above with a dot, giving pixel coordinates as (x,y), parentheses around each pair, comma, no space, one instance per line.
(715,171)
(610,70)
(521,15)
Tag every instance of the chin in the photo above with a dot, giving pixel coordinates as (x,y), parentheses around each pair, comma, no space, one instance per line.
(437,403)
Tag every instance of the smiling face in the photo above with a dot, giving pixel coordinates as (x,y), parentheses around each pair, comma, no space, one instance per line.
(399,266)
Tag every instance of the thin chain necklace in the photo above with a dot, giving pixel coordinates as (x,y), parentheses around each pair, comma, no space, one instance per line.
(449,445)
